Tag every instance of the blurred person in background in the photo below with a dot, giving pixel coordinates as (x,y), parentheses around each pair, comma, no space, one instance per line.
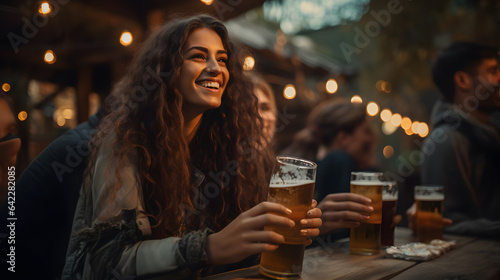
(339,138)
(462,151)
(10,144)
(266,104)
(46,196)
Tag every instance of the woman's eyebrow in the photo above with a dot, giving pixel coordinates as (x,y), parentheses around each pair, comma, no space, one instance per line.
(203,49)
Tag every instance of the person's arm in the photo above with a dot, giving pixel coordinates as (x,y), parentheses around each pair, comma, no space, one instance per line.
(110,233)
(447,162)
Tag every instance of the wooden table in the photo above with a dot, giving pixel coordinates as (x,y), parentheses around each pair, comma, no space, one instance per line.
(472,258)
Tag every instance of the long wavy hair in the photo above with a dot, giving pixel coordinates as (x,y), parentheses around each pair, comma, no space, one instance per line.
(148,121)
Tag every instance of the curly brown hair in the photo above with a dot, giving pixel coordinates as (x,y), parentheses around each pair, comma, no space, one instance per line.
(148,121)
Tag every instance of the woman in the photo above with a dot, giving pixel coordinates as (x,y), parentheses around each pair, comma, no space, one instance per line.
(266,104)
(169,189)
(340,139)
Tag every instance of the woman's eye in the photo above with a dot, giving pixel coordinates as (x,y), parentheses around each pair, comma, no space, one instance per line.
(223,60)
(199,56)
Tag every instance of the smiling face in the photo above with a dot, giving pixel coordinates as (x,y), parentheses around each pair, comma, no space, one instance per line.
(203,74)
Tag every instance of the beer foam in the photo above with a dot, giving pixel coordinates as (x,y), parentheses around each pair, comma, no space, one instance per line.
(287,184)
(432,197)
(366,183)
(388,197)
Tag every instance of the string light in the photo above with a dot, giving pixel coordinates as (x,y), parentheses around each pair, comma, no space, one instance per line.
(126,38)
(388,128)
(332,86)
(6,87)
(406,123)
(372,108)
(22,116)
(44,8)
(61,121)
(388,151)
(396,119)
(356,99)
(249,63)
(385,115)
(207,2)
(49,57)
(423,129)
(414,127)
(289,92)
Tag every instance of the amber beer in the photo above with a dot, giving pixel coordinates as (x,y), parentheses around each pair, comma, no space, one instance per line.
(429,213)
(389,203)
(286,261)
(292,185)
(365,239)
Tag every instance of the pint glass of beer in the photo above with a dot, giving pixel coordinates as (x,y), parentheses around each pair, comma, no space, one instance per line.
(389,202)
(365,239)
(291,185)
(429,213)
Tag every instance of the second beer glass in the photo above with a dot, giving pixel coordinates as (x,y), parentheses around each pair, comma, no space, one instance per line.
(429,213)
(292,185)
(365,239)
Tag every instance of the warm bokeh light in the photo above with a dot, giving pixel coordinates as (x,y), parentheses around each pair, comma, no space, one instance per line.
(61,121)
(396,119)
(67,114)
(49,57)
(249,63)
(44,8)
(22,116)
(207,2)
(332,86)
(406,123)
(385,115)
(6,87)
(289,92)
(388,151)
(372,109)
(409,131)
(386,87)
(423,129)
(356,99)
(388,128)
(378,85)
(414,127)
(126,38)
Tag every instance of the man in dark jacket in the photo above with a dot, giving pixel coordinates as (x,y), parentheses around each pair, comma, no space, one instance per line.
(462,152)
(46,197)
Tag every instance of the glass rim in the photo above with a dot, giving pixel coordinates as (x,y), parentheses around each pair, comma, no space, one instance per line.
(282,159)
(376,173)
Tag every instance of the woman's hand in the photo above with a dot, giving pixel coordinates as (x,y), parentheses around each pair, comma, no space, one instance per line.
(310,225)
(245,236)
(344,210)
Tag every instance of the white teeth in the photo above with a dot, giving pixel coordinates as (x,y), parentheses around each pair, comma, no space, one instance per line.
(215,85)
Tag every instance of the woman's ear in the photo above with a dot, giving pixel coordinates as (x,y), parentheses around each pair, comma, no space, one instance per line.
(462,80)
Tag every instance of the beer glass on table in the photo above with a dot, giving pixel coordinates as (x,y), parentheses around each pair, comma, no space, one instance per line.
(389,203)
(365,239)
(429,213)
(291,185)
